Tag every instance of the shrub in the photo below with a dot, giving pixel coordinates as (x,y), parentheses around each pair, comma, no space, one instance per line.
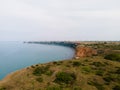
(36,65)
(2,88)
(65,77)
(107,79)
(70,61)
(55,62)
(68,65)
(97,85)
(118,71)
(112,77)
(116,87)
(114,57)
(40,70)
(49,73)
(39,79)
(86,69)
(61,62)
(77,88)
(86,60)
(100,72)
(98,64)
(54,88)
(32,66)
(76,64)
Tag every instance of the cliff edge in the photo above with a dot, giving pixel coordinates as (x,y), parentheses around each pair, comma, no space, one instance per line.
(82,51)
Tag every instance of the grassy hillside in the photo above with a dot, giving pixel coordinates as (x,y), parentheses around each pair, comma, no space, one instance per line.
(101,72)
(94,73)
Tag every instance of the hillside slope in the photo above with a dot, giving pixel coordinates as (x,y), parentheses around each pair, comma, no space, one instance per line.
(93,73)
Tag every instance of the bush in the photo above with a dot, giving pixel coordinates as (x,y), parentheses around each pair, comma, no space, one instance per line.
(86,69)
(55,62)
(86,60)
(54,88)
(118,71)
(100,72)
(112,77)
(32,66)
(98,64)
(49,73)
(77,88)
(97,85)
(76,64)
(114,57)
(65,77)
(2,88)
(40,70)
(39,79)
(116,87)
(108,79)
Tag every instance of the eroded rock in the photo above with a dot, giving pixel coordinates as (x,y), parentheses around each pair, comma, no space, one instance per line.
(82,51)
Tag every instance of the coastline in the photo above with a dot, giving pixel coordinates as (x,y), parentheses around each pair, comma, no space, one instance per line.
(86,68)
(72,44)
(68,44)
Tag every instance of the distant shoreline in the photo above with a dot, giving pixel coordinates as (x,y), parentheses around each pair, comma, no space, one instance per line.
(60,43)
(30,54)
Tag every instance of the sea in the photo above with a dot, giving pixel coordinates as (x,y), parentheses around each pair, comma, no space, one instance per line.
(17,55)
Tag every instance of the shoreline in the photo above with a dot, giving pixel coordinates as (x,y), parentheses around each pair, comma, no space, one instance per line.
(72,44)
(86,68)
(59,43)
(56,44)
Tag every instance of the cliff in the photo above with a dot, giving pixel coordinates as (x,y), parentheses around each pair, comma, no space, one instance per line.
(82,51)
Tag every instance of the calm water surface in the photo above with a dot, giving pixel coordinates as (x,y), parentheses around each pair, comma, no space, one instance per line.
(17,55)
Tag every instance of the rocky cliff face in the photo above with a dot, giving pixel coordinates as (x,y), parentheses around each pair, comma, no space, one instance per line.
(82,51)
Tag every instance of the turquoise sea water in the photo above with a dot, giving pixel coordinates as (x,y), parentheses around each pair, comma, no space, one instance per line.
(18,55)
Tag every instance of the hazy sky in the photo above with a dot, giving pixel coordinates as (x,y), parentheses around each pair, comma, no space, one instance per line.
(22,20)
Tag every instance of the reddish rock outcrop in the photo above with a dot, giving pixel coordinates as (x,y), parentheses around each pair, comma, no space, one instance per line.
(82,51)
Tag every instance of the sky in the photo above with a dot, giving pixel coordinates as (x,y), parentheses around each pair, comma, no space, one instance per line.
(52,20)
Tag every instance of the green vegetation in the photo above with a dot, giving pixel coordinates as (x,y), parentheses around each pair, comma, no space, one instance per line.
(97,85)
(40,70)
(100,72)
(77,88)
(98,64)
(39,79)
(55,62)
(2,88)
(65,77)
(117,87)
(75,64)
(86,69)
(53,88)
(94,73)
(118,71)
(111,46)
(49,72)
(114,57)
(111,77)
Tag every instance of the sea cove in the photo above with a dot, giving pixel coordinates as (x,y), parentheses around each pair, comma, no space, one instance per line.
(18,55)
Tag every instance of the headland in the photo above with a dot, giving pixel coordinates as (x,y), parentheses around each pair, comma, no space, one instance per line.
(96,66)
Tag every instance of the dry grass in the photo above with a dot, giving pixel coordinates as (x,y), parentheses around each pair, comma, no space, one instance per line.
(86,77)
